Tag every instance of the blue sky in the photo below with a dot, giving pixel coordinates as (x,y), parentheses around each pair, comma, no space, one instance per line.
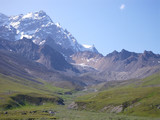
(110,25)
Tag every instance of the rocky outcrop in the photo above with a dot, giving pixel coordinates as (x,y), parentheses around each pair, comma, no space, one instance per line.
(122,65)
(113,109)
(42,54)
(73,105)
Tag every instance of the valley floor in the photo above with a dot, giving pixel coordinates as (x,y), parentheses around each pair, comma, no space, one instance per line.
(62,112)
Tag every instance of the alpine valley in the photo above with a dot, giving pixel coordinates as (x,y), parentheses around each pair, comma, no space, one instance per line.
(43,69)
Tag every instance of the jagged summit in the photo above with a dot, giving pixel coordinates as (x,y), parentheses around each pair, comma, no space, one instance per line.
(149,54)
(38,26)
(90,48)
(36,15)
(112,53)
(124,51)
(41,13)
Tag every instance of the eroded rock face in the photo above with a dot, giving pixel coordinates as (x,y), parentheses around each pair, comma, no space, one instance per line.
(113,109)
(158,107)
(73,105)
(43,54)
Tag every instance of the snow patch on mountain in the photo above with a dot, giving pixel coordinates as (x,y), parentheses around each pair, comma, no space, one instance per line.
(15,24)
(87,46)
(58,25)
(42,42)
(29,15)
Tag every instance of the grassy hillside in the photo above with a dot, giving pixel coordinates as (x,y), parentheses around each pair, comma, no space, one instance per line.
(12,64)
(16,91)
(50,111)
(135,97)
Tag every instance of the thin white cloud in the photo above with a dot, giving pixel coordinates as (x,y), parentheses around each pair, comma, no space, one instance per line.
(122,6)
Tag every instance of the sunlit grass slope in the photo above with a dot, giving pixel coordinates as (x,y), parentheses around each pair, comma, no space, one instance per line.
(16,91)
(139,97)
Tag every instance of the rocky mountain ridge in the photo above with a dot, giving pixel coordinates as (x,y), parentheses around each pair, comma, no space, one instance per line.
(37,38)
(119,65)
(43,54)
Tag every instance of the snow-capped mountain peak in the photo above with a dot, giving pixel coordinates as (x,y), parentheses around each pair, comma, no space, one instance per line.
(89,48)
(38,26)
(36,15)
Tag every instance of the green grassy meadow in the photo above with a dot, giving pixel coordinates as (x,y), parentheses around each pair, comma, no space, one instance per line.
(36,99)
(62,113)
(139,98)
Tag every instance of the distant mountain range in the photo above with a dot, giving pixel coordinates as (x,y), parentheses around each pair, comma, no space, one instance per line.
(34,45)
(119,65)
